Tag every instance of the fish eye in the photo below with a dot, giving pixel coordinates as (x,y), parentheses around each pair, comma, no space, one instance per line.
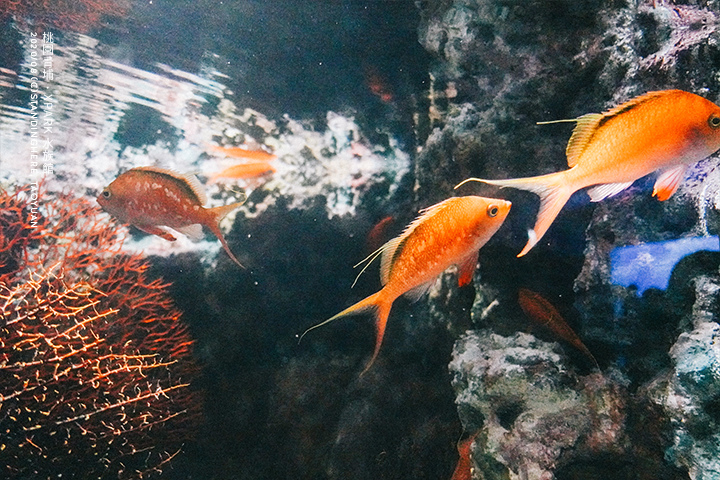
(106,194)
(714,121)
(493,210)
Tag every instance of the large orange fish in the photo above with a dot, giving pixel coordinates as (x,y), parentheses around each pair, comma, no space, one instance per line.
(448,233)
(150,198)
(665,130)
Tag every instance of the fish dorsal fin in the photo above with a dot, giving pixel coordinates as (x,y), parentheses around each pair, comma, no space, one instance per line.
(393,248)
(389,251)
(188,180)
(586,125)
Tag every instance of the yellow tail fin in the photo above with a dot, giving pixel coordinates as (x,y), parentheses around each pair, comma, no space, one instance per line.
(374,303)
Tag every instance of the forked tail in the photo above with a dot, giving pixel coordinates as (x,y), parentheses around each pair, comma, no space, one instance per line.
(378,306)
(553,193)
(217,214)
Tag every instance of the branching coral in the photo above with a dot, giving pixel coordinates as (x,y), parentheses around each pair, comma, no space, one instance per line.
(95,364)
(74,15)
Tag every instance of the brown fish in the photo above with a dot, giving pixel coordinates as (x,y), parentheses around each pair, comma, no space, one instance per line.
(542,312)
(150,198)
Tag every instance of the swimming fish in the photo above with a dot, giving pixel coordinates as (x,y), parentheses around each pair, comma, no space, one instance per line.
(463,469)
(664,130)
(378,234)
(544,313)
(448,233)
(244,171)
(150,198)
(240,152)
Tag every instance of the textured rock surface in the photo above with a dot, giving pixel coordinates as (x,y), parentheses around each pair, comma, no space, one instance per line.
(690,392)
(501,66)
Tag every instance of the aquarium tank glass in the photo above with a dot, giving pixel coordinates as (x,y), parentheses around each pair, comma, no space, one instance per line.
(359,239)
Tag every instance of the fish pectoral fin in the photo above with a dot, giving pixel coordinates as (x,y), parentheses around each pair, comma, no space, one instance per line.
(668,182)
(194,232)
(155,230)
(601,192)
(466,270)
(415,294)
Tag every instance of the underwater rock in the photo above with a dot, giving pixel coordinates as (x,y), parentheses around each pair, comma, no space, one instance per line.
(690,392)
(533,413)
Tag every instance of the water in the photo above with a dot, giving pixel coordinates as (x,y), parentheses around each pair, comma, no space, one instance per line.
(366,112)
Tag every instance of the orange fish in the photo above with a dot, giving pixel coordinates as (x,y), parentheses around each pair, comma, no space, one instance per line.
(463,469)
(448,233)
(240,152)
(666,130)
(244,171)
(378,84)
(150,198)
(542,312)
(378,234)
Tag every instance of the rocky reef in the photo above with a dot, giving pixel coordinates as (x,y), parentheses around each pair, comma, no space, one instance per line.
(541,414)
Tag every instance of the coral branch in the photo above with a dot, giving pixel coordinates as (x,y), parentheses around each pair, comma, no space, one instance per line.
(95,365)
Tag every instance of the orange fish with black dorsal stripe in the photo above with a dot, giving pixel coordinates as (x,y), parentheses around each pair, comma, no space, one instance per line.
(448,233)
(150,198)
(665,130)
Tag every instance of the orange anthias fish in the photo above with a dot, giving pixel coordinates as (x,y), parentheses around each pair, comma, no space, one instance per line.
(448,233)
(377,235)
(244,171)
(463,469)
(543,312)
(240,152)
(666,130)
(150,198)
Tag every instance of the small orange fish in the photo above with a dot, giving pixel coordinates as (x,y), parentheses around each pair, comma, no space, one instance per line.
(378,234)
(463,469)
(150,198)
(541,311)
(378,84)
(244,171)
(240,152)
(666,130)
(448,233)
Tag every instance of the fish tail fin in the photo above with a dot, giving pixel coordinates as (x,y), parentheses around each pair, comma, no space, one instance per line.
(553,192)
(374,303)
(381,316)
(216,215)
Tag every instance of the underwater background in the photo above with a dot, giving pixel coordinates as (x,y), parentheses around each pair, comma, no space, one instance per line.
(124,355)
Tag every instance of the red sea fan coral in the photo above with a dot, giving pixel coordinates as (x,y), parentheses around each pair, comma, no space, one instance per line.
(95,364)
(73,15)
